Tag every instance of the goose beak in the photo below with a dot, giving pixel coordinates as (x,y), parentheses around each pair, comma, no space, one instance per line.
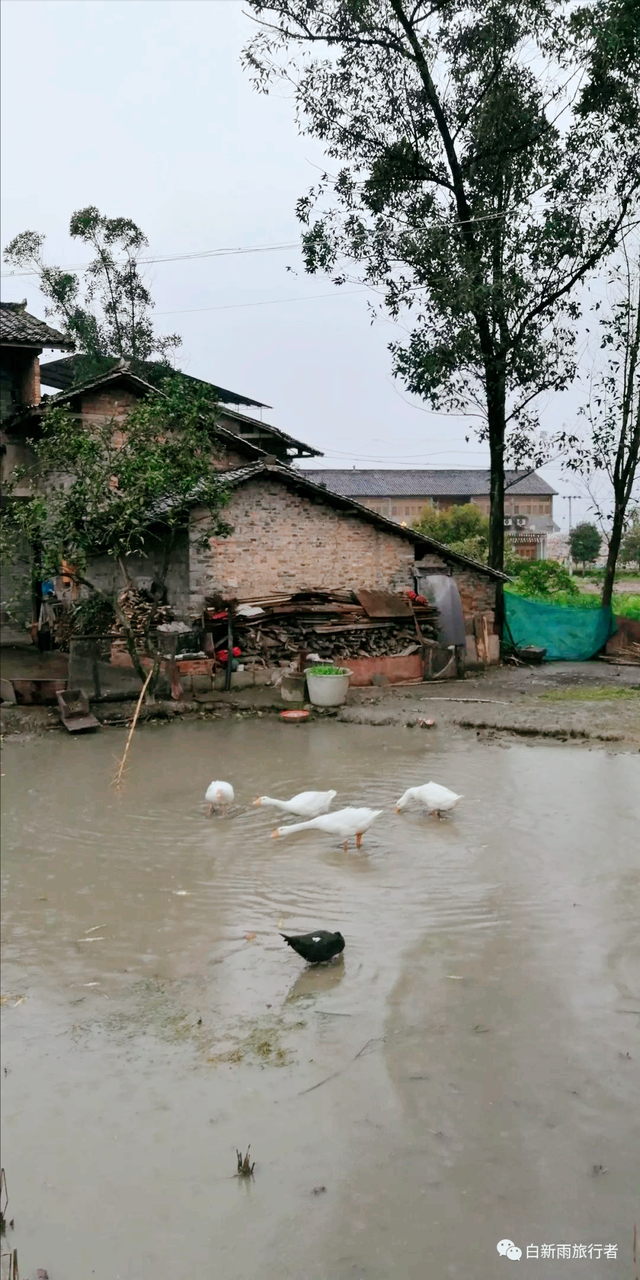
(258,800)
(397,809)
(275,834)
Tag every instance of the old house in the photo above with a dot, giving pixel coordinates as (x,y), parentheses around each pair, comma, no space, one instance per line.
(403,496)
(233,409)
(23,338)
(289,533)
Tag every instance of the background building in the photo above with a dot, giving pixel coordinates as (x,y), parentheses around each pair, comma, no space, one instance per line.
(403,496)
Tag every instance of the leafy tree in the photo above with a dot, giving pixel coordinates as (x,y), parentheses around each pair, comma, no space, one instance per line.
(465,529)
(107,312)
(585,541)
(612,448)
(545,580)
(485,163)
(117,491)
(630,549)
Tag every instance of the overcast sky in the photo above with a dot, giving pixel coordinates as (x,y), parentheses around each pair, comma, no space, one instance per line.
(141,107)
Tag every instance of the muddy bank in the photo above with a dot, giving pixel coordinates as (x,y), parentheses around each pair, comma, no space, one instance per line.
(578,702)
(455,1080)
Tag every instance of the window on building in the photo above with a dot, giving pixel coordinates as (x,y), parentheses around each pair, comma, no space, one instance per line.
(395,511)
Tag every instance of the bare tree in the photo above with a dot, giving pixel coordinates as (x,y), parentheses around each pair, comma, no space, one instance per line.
(612,448)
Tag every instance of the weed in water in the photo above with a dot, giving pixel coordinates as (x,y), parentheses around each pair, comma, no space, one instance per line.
(245,1168)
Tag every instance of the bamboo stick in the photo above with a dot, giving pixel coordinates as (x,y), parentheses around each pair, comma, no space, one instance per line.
(117,781)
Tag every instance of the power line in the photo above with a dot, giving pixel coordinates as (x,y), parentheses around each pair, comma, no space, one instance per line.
(176,257)
(268,302)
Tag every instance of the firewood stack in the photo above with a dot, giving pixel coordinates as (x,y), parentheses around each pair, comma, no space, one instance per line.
(142,611)
(332,624)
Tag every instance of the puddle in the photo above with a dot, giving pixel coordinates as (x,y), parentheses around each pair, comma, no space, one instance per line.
(452,1082)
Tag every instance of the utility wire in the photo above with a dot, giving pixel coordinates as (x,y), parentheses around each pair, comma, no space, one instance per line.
(175,257)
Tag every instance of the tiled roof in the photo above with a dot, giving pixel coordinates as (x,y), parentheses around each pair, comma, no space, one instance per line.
(264,430)
(425,484)
(19,329)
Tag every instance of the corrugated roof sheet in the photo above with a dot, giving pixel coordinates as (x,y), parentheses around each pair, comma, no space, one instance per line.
(452,483)
(61,374)
(19,328)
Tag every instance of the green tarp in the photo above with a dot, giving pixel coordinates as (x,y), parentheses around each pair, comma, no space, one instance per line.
(572,635)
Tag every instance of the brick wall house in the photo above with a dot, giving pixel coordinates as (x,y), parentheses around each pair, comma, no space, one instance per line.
(22,339)
(290,534)
(286,537)
(234,407)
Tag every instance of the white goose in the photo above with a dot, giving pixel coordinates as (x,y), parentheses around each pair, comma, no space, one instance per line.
(218,795)
(342,824)
(435,798)
(307,804)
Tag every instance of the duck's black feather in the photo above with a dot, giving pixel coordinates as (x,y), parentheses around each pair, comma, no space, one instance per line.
(317,946)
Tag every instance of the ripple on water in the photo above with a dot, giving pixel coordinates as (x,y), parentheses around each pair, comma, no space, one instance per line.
(174,888)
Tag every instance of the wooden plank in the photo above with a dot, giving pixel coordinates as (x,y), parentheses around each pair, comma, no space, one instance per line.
(479,634)
(384,604)
(373,624)
(494,650)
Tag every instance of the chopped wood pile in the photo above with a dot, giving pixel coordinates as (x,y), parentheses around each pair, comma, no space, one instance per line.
(142,612)
(331,624)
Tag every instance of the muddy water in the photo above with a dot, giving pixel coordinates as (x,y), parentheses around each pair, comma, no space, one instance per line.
(468,1073)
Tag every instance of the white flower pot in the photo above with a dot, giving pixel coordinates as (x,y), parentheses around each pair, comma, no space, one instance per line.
(328,691)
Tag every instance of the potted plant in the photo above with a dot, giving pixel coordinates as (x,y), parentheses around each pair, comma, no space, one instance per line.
(327,685)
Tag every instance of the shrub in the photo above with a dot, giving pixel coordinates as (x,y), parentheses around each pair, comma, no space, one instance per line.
(545,580)
(465,529)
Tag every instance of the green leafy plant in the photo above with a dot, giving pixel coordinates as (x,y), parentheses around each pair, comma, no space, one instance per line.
(545,580)
(464,528)
(626,605)
(107,312)
(325,669)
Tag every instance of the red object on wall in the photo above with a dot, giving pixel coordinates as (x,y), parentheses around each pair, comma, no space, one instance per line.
(223,654)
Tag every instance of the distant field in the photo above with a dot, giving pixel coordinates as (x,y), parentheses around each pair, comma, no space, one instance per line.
(628,586)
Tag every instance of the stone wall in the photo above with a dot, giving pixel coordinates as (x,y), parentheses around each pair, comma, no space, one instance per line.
(283,540)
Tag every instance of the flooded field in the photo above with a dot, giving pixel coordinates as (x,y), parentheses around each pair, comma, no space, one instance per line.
(468,1073)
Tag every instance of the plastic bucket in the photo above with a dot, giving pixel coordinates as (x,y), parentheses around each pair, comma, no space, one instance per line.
(328,691)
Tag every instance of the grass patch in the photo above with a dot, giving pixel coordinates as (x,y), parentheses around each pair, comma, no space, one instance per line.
(262,1044)
(624,604)
(598,693)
